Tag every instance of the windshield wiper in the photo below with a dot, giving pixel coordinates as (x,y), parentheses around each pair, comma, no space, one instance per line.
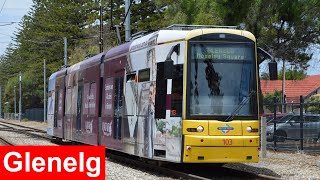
(240,106)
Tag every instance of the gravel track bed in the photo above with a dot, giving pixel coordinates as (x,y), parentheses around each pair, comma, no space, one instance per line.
(32,124)
(284,166)
(277,164)
(118,171)
(22,139)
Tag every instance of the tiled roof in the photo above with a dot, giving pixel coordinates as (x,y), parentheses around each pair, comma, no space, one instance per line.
(293,88)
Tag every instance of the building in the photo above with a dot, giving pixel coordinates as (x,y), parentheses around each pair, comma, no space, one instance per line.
(293,88)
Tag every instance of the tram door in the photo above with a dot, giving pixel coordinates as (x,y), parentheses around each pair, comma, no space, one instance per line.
(118,104)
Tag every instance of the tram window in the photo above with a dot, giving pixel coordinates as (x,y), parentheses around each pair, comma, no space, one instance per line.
(131,77)
(177,91)
(68,101)
(144,75)
(56,104)
(118,107)
(79,106)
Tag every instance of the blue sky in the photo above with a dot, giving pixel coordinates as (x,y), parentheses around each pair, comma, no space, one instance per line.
(13,11)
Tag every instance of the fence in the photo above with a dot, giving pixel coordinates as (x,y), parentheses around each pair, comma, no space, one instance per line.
(296,130)
(35,114)
(11,116)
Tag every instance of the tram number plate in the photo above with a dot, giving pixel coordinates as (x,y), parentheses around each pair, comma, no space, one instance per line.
(227,142)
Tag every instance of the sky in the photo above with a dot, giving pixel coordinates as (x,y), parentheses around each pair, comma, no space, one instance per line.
(14,10)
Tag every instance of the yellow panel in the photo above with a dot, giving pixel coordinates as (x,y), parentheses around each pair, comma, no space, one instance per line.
(198,32)
(251,140)
(219,128)
(191,140)
(194,124)
(254,124)
(194,33)
(221,154)
(185,65)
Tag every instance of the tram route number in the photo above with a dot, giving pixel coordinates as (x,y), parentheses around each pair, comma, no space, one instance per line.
(227,142)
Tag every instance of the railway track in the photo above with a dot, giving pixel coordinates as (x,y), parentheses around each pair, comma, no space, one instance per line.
(179,171)
(154,168)
(186,171)
(29,131)
(26,127)
(3,141)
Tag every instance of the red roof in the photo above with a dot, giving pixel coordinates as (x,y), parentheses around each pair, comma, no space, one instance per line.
(293,88)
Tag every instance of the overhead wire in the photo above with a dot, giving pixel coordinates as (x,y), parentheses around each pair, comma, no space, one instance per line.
(3,5)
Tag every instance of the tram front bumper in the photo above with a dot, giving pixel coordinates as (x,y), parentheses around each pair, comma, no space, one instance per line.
(220,149)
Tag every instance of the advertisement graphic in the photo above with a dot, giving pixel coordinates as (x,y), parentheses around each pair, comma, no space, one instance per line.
(52,162)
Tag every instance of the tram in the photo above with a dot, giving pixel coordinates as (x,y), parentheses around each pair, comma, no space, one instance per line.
(185,94)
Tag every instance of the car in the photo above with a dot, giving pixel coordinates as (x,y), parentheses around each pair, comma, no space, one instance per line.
(288,128)
(270,117)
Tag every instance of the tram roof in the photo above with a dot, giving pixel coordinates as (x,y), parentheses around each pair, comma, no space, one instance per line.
(167,36)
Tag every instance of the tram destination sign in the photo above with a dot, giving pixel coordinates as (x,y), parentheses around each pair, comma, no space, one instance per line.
(221,53)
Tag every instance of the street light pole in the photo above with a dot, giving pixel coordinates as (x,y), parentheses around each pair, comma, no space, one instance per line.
(20,100)
(283,88)
(44,91)
(65,41)
(127,20)
(15,104)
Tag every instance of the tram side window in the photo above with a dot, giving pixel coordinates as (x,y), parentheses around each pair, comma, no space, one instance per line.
(177,91)
(68,101)
(79,106)
(56,104)
(131,77)
(118,107)
(144,75)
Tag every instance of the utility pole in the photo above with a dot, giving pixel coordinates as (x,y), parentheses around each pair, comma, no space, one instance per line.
(20,100)
(283,86)
(65,52)
(15,104)
(101,29)
(44,91)
(127,22)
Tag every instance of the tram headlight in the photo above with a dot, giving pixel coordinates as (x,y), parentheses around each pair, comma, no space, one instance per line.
(252,130)
(200,129)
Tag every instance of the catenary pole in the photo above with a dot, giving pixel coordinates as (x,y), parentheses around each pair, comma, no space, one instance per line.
(20,99)
(65,52)
(44,91)
(127,20)
(15,103)
(101,28)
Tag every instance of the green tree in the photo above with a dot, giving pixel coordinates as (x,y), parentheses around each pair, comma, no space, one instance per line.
(40,37)
(291,74)
(285,28)
(268,101)
(315,106)
(294,74)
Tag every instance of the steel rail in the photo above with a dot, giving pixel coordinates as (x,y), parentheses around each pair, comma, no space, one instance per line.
(26,127)
(25,131)
(158,169)
(5,142)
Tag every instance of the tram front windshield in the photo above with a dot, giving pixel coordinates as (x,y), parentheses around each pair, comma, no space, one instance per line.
(221,80)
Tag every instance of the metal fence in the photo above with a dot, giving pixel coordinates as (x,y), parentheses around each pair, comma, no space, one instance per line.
(35,114)
(293,130)
(11,116)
